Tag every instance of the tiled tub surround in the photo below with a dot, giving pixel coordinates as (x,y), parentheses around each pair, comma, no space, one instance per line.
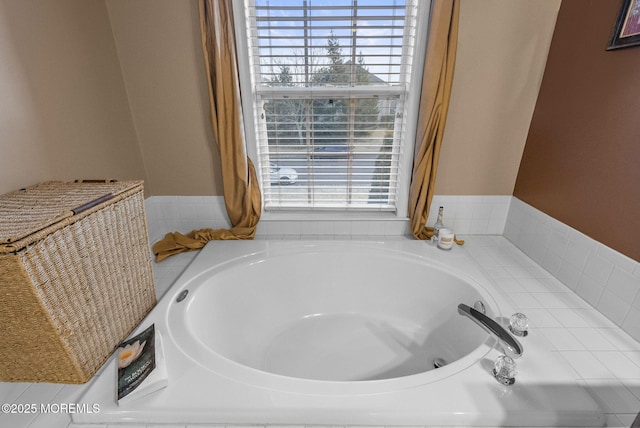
(477,215)
(606,279)
(601,356)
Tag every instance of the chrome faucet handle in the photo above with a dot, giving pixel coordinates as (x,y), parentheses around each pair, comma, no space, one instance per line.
(504,370)
(512,348)
(519,324)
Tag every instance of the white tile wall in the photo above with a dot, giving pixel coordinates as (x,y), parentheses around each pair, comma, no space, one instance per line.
(478,215)
(184,214)
(607,280)
(471,215)
(604,357)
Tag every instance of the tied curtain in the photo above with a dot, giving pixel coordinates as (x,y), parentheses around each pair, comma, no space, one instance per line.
(242,196)
(434,104)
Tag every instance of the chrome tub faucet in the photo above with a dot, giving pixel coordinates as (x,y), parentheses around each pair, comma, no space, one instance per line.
(512,348)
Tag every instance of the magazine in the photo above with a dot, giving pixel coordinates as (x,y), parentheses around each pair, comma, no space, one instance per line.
(141,366)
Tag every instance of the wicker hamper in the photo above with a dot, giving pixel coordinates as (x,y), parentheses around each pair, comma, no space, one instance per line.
(75,277)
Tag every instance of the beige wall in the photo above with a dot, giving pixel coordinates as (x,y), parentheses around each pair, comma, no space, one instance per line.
(64,113)
(160,51)
(502,50)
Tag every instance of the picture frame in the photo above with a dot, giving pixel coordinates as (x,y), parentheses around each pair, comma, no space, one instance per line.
(627,29)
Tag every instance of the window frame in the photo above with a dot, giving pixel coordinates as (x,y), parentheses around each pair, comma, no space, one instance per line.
(405,163)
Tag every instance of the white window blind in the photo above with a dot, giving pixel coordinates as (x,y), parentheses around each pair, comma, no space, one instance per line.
(330,80)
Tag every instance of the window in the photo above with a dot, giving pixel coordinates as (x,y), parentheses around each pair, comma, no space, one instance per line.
(331,81)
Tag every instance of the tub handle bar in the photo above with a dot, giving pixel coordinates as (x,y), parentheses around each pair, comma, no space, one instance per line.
(512,348)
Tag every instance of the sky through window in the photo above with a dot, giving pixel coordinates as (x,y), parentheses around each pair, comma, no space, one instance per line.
(294,36)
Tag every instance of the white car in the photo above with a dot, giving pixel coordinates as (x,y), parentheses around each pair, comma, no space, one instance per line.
(282,175)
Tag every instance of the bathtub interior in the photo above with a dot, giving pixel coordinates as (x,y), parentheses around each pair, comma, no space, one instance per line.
(206,387)
(304,314)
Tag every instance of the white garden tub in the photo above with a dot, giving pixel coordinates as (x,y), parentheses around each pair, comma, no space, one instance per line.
(339,333)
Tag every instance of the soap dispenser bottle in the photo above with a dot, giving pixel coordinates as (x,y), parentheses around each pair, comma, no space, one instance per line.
(438,225)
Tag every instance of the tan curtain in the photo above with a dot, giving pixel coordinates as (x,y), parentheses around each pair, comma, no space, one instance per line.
(242,196)
(434,103)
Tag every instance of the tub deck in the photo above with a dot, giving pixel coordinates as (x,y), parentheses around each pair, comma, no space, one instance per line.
(545,394)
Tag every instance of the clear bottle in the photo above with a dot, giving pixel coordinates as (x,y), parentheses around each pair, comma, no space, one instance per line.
(438,225)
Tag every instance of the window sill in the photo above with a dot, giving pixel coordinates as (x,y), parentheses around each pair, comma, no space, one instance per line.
(330,215)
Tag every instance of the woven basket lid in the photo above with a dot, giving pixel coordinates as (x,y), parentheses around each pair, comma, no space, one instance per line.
(34,208)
